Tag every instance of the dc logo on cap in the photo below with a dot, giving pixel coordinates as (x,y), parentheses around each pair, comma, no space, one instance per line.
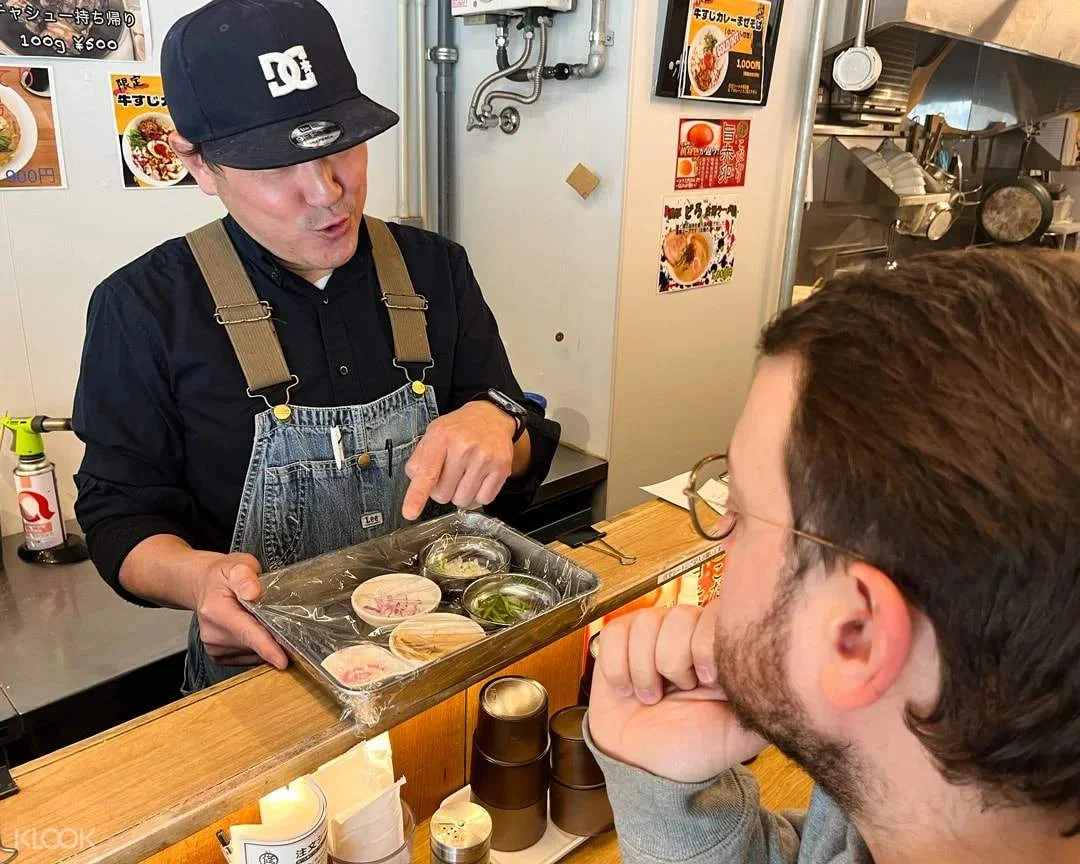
(288,71)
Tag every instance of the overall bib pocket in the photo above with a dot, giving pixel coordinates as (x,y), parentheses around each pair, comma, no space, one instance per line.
(310,508)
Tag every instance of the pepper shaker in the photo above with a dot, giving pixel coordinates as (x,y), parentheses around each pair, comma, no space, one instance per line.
(461,834)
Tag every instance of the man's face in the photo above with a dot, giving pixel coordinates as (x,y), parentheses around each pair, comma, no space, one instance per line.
(307,215)
(767,653)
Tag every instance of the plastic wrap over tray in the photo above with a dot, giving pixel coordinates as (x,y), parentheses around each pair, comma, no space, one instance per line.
(413,614)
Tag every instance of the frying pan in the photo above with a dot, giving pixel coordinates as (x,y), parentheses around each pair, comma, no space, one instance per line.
(12,30)
(1015,211)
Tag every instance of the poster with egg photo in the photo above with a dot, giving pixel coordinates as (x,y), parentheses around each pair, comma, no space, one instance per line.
(711,154)
(143,124)
(697,241)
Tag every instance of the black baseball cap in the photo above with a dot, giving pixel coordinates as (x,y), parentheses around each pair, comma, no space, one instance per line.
(265,84)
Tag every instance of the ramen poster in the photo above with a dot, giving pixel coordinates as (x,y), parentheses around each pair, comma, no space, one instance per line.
(31,156)
(724,57)
(143,125)
(697,244)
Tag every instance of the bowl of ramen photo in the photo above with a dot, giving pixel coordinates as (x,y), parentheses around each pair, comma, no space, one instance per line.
(687,255)
(147,152)
(18,132)
(707,60)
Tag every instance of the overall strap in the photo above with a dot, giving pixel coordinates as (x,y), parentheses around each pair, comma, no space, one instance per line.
(407,309)
(245,317)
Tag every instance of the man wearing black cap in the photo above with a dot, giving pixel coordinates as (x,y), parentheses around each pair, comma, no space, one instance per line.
(201,464)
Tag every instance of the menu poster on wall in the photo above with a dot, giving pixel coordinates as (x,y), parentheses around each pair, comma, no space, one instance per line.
(719,50)
(30,153)
(143,124)
(697,242)
(114,30)
(711,154)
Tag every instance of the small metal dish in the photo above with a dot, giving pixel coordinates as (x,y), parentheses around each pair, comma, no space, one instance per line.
(455,562)
(508,599)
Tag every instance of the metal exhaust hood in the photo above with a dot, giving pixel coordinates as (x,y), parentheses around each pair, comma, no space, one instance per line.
(987,65)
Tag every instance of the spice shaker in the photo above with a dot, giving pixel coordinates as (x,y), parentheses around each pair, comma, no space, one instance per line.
(461,834)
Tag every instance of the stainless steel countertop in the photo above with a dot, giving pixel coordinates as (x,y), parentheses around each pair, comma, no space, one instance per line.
(64,631)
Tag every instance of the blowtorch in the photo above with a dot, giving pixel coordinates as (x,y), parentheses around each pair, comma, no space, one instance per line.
(46,540)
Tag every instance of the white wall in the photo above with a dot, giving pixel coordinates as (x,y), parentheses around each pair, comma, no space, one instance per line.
(546,259)
(51,258)
(683,362)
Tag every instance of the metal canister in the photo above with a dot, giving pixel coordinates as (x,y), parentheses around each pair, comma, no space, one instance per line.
(461,834)
(512,721)
(39,504)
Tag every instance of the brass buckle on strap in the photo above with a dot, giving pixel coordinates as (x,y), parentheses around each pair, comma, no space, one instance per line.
(408,302)
(418,386)
(282,411)
(263,316)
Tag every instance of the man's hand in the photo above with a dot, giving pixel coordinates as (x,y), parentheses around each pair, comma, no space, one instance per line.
(649,706)
(231,635)
(465,458)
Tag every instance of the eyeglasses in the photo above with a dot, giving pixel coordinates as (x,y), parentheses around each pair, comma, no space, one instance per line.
(707,494)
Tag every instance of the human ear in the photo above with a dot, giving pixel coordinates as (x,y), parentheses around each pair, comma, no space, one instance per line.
(869,634)
(204,175)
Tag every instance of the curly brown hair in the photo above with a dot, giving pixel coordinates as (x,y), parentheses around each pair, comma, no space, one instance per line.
(937,431)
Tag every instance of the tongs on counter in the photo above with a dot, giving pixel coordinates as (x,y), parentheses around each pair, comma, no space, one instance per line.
(592,537)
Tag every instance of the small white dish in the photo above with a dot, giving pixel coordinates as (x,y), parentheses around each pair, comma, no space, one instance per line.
(431,637)
(395,597)
(358,666)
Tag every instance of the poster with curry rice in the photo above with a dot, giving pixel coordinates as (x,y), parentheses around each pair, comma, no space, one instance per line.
(719,50)
(725,50)
(143,126)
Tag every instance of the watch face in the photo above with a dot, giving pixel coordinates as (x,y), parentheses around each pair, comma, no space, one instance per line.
(506,403)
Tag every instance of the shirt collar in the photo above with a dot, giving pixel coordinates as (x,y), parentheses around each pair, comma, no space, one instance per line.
(255,253)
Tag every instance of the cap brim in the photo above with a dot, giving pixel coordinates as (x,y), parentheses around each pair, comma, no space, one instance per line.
(273,145)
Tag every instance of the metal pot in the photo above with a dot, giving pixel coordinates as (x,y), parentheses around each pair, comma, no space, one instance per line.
(1015,211)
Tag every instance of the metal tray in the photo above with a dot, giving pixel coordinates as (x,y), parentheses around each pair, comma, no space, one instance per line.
(307,608)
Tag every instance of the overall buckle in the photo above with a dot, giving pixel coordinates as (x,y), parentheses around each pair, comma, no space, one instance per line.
(281,410)
(415,373)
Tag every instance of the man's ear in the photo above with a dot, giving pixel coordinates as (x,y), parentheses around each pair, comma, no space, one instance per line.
(204,175)
(869,634)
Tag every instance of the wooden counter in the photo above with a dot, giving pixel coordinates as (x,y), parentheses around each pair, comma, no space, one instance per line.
(149,784)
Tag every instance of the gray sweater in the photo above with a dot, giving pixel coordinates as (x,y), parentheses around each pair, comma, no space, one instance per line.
(659,821)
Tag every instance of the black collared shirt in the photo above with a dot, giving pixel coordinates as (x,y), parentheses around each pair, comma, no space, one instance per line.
(162,406)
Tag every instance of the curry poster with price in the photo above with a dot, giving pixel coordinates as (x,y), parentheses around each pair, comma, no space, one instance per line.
(719,50)
(143,124)
(697,241)
(113,30)
(31,156)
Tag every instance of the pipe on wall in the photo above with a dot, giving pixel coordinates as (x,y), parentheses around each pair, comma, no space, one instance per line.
(404,192)
(444,54)
(420,36)
(803,148)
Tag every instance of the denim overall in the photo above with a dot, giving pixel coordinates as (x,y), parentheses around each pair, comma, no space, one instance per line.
(300,498)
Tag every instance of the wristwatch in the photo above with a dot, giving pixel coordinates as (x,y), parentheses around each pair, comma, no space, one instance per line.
(505,403)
